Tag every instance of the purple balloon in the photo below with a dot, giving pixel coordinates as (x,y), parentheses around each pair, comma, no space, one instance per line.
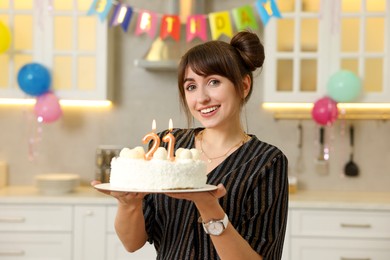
(47,108)
(325,111)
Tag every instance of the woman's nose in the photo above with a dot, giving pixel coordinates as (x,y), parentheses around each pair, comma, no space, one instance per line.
(203,96)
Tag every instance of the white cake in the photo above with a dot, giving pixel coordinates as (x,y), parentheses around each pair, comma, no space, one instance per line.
(130,170)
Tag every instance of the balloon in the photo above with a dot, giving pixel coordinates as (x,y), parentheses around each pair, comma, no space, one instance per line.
(5,38)
(47,108)
(325,111)
(344,86)
(34,79)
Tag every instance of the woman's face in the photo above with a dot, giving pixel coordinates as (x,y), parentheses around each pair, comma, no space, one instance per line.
(212,100)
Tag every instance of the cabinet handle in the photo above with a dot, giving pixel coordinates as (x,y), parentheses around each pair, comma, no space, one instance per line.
(12,219)
(348,225)
(89,213)
(355,258)
(12,253)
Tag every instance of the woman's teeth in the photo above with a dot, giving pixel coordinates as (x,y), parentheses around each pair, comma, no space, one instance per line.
(208,110)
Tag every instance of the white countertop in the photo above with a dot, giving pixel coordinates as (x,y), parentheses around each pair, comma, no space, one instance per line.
(300,199)
(340,200)
(31,195)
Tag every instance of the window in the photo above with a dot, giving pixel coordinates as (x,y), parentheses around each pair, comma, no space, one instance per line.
(59,35)
(315,39)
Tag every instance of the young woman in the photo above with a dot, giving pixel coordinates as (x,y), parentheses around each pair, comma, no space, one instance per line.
(245,218)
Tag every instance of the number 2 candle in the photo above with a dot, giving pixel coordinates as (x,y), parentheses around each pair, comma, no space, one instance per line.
(152,136)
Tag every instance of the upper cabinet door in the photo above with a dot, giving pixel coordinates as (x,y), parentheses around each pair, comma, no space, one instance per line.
(59,35)
(315,39)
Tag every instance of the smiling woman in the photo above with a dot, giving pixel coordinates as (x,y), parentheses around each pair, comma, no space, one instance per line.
(245,217)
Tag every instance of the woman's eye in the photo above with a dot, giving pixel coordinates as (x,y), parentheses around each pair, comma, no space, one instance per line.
(190,87)
(214,82)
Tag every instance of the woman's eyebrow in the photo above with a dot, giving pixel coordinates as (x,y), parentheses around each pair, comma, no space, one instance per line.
(188,79)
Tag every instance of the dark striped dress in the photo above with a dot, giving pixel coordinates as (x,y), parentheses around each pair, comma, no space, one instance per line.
(255,177)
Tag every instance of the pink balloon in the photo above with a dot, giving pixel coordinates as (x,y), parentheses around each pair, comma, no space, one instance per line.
(47,108)
(325,111)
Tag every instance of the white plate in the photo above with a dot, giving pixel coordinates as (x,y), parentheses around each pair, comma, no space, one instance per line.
(108,187)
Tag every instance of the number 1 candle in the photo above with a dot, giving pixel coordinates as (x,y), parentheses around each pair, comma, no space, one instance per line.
(170,139)
(152,136)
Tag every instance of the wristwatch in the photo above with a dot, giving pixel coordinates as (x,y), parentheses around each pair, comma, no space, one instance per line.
(215,227)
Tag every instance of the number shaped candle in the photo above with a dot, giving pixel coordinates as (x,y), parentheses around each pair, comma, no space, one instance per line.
(156,141)
(170,139)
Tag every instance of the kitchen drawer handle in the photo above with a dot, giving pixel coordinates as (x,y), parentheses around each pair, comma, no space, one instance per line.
(12,219)
(348,225)
(12,253)
(354,258)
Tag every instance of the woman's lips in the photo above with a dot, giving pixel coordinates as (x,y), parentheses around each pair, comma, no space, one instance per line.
(208,110)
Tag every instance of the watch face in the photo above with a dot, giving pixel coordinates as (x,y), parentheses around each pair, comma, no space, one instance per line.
(215,228)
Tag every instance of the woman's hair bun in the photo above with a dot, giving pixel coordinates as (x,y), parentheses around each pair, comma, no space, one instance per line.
(250,49)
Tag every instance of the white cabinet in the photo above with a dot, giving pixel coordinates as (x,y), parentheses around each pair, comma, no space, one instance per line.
(115,249)
(35,232)
(89,232)
(339,249)
(339,234)
(37,246)
(315,39)
(71,231)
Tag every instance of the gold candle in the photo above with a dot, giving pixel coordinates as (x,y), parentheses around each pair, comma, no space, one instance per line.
(170,139)
(152,136)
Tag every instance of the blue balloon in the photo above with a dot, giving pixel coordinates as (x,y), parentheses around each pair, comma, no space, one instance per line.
(34,79)
(344,86)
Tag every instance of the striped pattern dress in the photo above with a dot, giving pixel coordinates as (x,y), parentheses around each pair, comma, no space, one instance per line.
(255,177)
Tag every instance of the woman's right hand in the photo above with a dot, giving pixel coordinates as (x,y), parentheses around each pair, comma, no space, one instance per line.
(124,198)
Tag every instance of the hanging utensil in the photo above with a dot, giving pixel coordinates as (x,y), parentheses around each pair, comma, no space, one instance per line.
(321,153)
(299,166)
(351,169)
(322,165)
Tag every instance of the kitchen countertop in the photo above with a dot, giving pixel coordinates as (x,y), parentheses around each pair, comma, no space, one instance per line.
(31,195)
(298,200)
(340,200)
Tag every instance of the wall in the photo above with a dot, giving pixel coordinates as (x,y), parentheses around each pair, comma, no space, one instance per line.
(69,144)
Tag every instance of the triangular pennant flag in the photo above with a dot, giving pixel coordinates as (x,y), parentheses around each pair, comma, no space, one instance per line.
(170,25)
(122,15)
(244,18)
(101,8)
(146,23)
(220,24)
(196,27)
(267,9)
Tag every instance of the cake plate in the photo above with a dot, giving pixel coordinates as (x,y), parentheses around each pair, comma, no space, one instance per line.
(109,187)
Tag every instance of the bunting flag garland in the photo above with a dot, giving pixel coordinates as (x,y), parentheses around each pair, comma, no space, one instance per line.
(121,15)
(101,8)
(170,25)
(220,24)
(146,23)
(267,9)
(196,25)
(244,18)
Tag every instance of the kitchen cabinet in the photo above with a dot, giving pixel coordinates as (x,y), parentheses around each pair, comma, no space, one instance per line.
(74,47)
(115,249)
(62,228)
(80,225)
(340,234)
(89,232)
(35,232)
(315,39)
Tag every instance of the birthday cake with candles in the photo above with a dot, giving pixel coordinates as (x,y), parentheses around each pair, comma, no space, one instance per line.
(131,170)
(158,168)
